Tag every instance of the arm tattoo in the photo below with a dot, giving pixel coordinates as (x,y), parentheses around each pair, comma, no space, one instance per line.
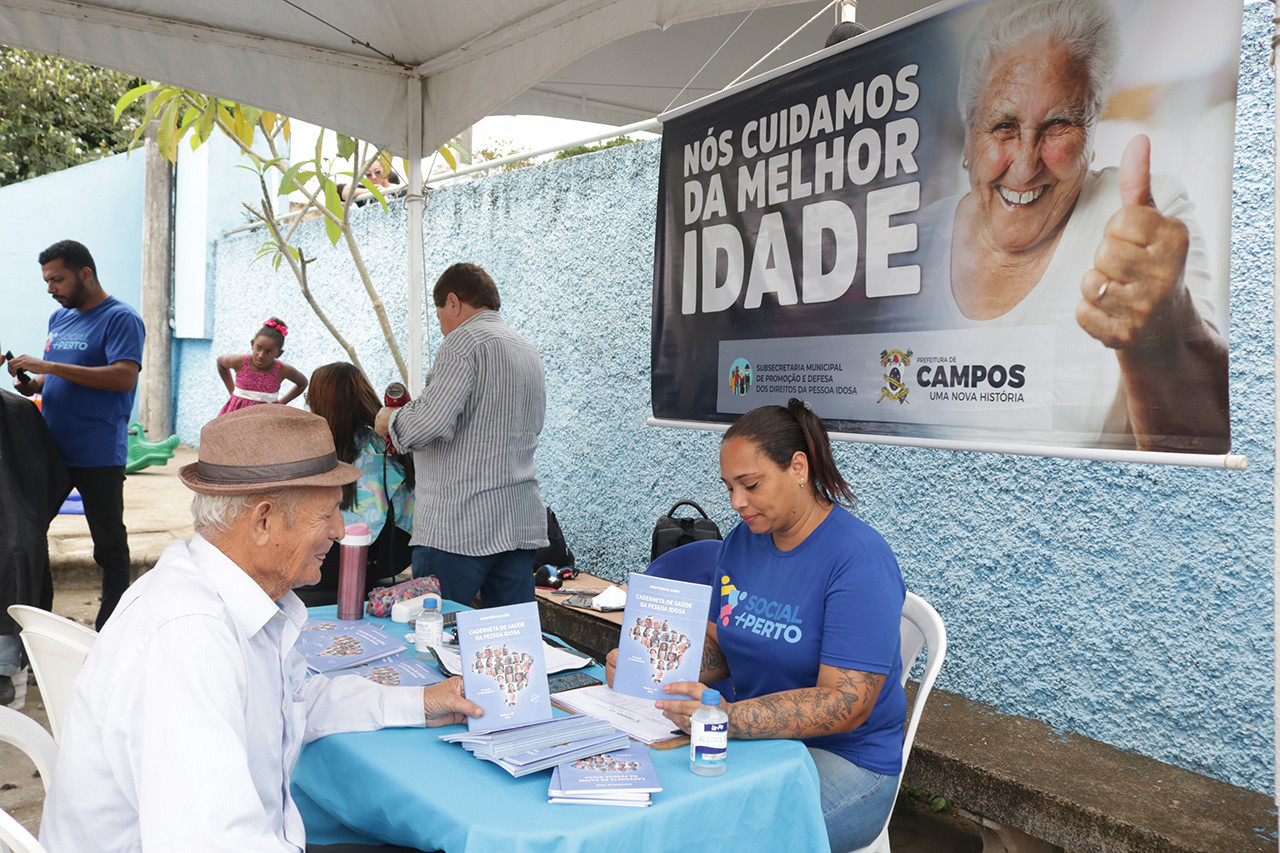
(809,711)
(713,658)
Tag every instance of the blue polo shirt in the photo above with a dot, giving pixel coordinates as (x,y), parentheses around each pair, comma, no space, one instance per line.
(91,426)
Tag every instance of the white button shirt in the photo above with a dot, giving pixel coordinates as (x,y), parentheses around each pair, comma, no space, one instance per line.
(187,719)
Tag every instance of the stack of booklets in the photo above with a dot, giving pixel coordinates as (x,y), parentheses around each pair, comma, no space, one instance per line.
(624,777)
(329,644)
(528,749)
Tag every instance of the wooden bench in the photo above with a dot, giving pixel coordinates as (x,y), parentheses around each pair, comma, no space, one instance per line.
(1027,787)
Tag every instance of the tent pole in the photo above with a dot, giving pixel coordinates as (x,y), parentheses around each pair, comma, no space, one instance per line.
(414,205)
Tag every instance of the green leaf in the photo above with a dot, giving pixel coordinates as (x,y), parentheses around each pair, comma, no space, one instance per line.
(205,128)
(375,190)
(346,146)
(333,202)
(290,177)
(129,97)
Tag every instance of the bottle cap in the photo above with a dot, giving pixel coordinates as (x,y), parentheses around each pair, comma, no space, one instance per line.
(710,697)
(357,534)
(430,604)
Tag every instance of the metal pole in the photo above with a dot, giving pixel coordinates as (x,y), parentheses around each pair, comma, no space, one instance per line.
(414,203)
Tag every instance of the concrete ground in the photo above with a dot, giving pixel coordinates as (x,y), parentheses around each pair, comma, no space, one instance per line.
(157,511)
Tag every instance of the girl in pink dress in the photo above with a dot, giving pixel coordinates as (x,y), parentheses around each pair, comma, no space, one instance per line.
(258,373)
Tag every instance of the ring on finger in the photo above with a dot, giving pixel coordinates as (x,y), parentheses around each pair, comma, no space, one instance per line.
(1102,291)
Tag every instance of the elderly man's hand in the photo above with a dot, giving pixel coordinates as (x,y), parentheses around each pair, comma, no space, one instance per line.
(382,421)
(445,704)
(1135,293)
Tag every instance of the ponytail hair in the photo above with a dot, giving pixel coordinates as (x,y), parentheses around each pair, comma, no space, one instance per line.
(781,432)
(274,329)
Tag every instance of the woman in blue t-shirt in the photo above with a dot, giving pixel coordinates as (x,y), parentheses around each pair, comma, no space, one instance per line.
(806,621)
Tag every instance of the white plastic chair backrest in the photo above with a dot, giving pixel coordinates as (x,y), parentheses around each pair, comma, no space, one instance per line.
(16,837)
(26,734)
(921,629)
(57,648)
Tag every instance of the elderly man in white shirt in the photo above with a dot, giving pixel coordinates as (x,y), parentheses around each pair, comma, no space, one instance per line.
(188,717)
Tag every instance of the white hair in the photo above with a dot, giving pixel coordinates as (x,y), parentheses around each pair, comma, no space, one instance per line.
(214,514)
(1088,29)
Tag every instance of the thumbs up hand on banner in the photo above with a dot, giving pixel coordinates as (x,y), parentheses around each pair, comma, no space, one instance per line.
(1135,292)
(1135,300)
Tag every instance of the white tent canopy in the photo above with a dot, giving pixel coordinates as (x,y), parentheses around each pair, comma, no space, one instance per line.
(369,69)
(408,76)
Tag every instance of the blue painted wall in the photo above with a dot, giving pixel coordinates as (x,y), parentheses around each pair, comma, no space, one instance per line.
(1129,603)
(99,204)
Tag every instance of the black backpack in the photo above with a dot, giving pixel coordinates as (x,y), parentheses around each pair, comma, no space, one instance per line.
(671,532)
(556,552)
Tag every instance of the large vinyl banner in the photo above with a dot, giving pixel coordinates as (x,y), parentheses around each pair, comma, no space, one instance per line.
(998,221)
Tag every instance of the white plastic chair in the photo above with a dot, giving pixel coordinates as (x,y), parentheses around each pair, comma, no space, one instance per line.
(25,733)
(14,836)
(921,628)
(57,648)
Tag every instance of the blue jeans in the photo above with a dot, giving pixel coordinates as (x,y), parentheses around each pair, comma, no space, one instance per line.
(855,801)
(501,579)
(10,654)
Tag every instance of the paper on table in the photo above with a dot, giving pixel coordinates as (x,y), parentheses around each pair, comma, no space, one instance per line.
(636,717)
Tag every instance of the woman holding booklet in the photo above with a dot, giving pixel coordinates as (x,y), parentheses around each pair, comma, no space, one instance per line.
(806,624)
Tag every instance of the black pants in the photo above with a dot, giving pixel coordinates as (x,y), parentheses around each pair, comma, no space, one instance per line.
(102,492)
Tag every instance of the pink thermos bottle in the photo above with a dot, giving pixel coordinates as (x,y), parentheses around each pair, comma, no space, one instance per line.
(353,555)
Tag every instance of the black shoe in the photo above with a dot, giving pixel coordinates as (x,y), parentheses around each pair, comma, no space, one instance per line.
(7,693)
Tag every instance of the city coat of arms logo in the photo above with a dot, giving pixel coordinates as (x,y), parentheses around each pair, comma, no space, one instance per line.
(894,362)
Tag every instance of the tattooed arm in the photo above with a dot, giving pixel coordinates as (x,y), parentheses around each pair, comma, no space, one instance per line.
(714,666)
(841,701)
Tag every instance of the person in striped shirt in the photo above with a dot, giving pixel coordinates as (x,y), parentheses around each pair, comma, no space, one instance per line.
(473,430)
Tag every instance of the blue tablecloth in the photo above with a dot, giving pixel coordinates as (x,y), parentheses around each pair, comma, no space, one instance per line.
(405,786)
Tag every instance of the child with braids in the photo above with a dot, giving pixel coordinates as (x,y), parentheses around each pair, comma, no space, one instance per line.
(258,373)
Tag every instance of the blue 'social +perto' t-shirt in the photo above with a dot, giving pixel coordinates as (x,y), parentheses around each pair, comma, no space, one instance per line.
(835,599)
(90,425)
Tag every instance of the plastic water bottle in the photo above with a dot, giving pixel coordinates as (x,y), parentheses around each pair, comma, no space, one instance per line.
(709,736)
(428,630)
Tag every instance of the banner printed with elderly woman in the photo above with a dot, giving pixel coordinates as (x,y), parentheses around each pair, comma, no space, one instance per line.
(965,228)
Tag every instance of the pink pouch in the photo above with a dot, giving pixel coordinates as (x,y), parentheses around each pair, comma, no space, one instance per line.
(381,598)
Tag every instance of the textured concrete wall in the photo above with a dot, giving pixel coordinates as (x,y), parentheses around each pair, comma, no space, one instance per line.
(1130,603)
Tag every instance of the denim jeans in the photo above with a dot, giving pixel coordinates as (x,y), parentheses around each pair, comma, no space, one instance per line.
(855,801)
(501,579)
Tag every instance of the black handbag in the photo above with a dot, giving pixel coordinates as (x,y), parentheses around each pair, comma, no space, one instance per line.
(671,532)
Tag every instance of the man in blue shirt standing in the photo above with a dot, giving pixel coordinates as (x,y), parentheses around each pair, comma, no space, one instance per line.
(88,377)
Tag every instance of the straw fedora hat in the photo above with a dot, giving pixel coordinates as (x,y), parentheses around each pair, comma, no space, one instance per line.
(262,448)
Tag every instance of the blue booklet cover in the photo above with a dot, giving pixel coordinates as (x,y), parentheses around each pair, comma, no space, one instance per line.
(623,770)
(400,670)
(329,644)
(663,629)
(503,670)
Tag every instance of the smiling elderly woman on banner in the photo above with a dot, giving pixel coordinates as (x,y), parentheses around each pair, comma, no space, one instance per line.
(1112,259)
